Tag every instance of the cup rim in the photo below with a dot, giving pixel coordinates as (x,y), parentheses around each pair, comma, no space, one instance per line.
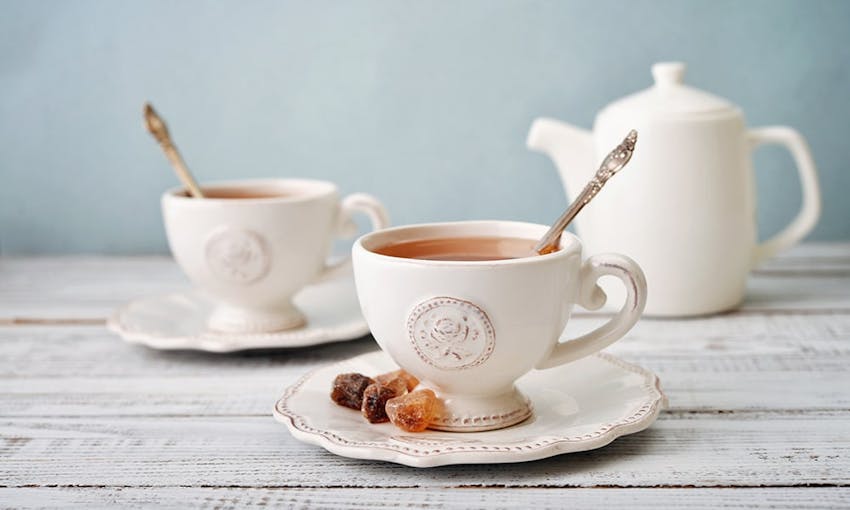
(569,243)
(317,189)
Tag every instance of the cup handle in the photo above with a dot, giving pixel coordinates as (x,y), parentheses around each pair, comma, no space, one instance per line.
(346,228)
(810,211)
(591,296)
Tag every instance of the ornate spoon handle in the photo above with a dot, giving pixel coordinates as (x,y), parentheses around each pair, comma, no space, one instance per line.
(156,126)
(613,163)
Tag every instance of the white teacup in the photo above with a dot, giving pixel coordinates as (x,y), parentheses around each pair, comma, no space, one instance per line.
(252,244)
(470,329)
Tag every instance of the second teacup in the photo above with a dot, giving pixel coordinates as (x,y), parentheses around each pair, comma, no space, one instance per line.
(450,304)
(253,244)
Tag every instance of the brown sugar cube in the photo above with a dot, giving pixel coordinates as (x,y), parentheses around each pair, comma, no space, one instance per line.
(348,389)
(412,412)
(409,379)
(375,399)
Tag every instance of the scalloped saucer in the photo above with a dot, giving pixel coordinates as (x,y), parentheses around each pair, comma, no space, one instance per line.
(178,321)
(580,406)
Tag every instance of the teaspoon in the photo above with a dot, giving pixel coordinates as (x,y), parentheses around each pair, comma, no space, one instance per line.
(156,126)
(613,163)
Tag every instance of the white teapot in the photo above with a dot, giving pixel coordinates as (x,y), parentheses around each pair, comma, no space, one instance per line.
(684,208)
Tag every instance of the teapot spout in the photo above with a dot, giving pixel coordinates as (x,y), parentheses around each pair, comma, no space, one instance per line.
(570,147)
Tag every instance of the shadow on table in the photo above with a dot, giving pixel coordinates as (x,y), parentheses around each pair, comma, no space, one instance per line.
(264,357)
(549,472)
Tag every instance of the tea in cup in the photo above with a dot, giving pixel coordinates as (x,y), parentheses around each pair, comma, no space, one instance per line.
(253,244)
(469,307)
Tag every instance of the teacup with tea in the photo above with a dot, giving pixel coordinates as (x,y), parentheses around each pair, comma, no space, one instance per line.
(253,244)
(469,307)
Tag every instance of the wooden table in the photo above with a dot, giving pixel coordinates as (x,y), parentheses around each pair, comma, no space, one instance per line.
(759,408)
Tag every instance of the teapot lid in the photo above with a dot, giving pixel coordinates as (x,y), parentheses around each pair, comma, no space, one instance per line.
(669,96)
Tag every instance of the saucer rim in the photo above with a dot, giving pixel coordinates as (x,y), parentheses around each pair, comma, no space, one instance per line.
(638,420)
(350,329)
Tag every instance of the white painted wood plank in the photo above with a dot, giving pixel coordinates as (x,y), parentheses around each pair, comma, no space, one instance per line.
(253,395)
(447,498)
(742,341)
(813,258)
(772,293)
(815,249)
(59,349)
(89,288)
(81,287)
(705,365)
(757,397)
(63,351)
(679,450)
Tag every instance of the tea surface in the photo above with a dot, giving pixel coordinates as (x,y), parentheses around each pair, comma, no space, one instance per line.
(241,193)
(461,248)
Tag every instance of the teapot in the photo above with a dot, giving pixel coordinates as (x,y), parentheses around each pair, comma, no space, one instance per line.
(685,207)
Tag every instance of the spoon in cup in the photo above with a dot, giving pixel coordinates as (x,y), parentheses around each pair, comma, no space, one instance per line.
(613,163)
(156,126)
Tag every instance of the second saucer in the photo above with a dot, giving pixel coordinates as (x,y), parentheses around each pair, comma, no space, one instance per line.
(179,321)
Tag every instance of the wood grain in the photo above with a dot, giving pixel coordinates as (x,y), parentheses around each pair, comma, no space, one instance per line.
(204,498)
(89,288)
(80,287)
(253,395)
(703,364)
(739,339)
(759,414)
(679,450)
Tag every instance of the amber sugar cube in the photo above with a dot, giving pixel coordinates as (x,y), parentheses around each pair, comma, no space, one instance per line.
(348,389)
(410,380)
(412,412)
(376,396)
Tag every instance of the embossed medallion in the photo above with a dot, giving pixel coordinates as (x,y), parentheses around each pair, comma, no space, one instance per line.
(451,333)
(237,255)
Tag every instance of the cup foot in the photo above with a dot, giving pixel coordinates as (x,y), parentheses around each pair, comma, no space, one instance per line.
(228,319)
(464,413)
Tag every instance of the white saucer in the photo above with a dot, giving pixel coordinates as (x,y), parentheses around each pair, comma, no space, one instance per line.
(579,406)
(178,321)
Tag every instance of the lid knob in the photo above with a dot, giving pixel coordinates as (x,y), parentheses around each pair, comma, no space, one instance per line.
(668,73)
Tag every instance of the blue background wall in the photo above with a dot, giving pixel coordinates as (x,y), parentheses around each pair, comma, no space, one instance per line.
(424,104)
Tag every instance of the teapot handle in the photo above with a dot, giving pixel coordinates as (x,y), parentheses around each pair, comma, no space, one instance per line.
(810,211)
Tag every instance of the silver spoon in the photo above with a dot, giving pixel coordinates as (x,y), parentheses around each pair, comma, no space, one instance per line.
(613,163)
(156,126)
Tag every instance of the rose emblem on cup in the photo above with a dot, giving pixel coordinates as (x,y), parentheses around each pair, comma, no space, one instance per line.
(450,333)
